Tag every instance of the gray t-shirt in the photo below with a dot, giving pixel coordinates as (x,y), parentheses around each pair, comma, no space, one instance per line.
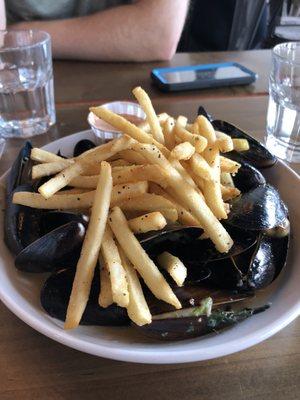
(29,10)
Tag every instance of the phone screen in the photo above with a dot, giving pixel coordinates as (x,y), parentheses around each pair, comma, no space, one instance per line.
(221,73)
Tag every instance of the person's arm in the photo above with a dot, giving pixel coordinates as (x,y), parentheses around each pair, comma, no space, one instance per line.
(143,31)
(2,16)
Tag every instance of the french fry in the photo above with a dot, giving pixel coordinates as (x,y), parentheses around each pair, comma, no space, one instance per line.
(206,129)
(72,191)
(146,127)
(128,191)
(181,120)
(224,142)
(137,309)
(146,104)
(199,142)
(43,156)
(184,217)
(64,177)
(183,172)
(168,127)
(229,193)
(212,189)
(119,163)
(226,179)
(146,202)
(63,201)
(105,295)
(132,156)
(228,165)
(189,198)
(149,203)
(140,173)
(147,222)
(84,182)
(127,127)
(117,274)
(240,144)
(139,258)
(47,169)
(200,167)
(173,266)
(90,249)
(182,151)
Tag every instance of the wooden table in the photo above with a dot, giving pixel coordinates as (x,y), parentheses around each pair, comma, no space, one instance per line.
(35,367)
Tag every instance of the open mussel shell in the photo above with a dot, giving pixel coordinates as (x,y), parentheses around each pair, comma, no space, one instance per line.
(253,269)
(52,251)
(188,327)
(259,209)
(248,178)
(267,261)
(155,242)
(202,111)
(55,296)
(21,223)
(20,172)
(82,146)
(191,295)
(257,154)
(53,219)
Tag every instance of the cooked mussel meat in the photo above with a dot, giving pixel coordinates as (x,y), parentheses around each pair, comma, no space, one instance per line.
(55,296)
(54,250)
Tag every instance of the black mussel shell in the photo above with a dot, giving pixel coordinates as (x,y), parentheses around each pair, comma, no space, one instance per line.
(191,295)
(248,178)
(55,296)
(259,209)
(196,325)
(20,172)
(54,250)
(199,251)
(257,155)
(82,146)
(155,242)
(53,219)
(202,111)
(21,223)
(253,269)
(267,261)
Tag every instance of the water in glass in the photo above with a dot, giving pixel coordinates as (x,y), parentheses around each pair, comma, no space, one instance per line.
(26,90)
(283,118)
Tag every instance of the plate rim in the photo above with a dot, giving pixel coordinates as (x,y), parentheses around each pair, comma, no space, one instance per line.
(148,356)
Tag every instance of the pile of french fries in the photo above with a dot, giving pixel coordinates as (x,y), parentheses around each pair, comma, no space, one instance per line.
(165,170)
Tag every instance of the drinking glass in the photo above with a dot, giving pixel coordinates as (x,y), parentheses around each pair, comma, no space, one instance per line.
(26,83)
(283,118)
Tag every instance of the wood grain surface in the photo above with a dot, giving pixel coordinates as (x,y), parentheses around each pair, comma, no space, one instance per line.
(33,367)
(87,82)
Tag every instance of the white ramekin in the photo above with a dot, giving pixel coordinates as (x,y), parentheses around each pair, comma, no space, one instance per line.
(105,131)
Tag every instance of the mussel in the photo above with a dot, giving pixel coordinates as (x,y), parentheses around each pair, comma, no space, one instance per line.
(195,322)
(21,223)
(53,250)
(55,296)
(82,146)
(20,172)
(257,155)
(248,178)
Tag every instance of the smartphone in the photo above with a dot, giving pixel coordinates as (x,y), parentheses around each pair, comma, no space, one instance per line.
(202,76)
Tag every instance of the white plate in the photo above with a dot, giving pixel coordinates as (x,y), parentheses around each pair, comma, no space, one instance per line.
(20,293)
